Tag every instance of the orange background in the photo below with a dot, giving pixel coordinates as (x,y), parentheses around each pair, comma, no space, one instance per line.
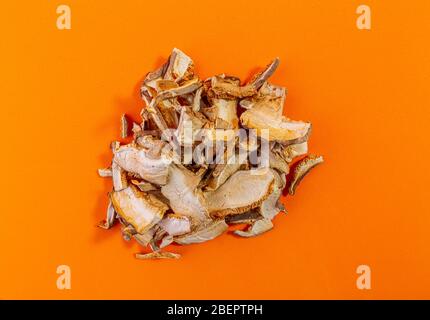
(366,93)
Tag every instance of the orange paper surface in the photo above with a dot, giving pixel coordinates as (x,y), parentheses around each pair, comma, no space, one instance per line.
(366,93)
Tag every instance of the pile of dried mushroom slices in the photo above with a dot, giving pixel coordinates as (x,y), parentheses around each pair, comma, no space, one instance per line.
(187,172)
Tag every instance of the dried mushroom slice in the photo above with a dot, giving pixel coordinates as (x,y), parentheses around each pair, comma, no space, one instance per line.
(279,128)
(244,218)
(157,255)
(139,209)
(110,217)
(184,196)
(175,224)
(243,191)
(105,173)
(124,126)
(204,233)
(144,163)
(270,207)
(257,228)
(302,168)
(180,66)
(119,177)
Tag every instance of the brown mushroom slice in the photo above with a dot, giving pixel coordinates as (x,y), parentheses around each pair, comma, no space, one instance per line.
(204,233)
(105,172)
(139,209)
(260,78)
(279,128)
(243,191)
(142,162)
(248,217)
(157,255)
(302,168)
(257,228)
(182,192)
(175,224)
(110,217)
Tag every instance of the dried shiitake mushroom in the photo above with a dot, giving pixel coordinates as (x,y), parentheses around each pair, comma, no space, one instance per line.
(206,154)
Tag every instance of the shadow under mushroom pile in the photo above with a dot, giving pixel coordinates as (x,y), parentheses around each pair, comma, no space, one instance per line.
(188,172)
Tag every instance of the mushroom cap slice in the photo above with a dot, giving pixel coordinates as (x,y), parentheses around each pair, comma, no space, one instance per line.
(139,209)
(182,192)
(175,224)
(270,207)
(140,161)
(244,190)
(257,228)
(302,168)
(204,233)
(157,255)
(279,128)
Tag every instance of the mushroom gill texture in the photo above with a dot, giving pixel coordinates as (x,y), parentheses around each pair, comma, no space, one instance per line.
(202,155)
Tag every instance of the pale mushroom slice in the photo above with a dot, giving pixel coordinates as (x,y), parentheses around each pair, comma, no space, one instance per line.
(189,124)
(175,224)
(223,171)
(144,163)
(124,126)
(105,172)
(157,255)
(269,96)
(141,210)
(278,162)
(110,217)
(302,168)
(180,66)
(257,228)
(223,110)
(204,233)
(278,128)
(289,152)
(119,177)
(182,192)
(243,191)
(270,207)
(144,185)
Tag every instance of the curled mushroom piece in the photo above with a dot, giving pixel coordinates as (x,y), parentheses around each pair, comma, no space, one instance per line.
(257,228)
(206,154)
(302,169)
(203,233)
(157,255)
